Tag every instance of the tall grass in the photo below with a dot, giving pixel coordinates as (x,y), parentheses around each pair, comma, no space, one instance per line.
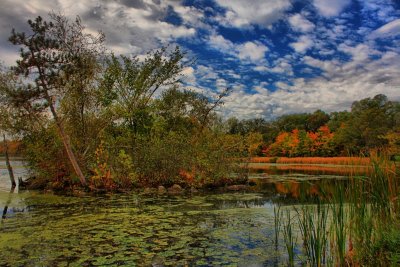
(338,226)
(289,238)
(313,227)
(359,226)
(277,223)
(374,213)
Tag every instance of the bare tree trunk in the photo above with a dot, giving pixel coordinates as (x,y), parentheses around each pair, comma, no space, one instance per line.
(67,146)
(9,168)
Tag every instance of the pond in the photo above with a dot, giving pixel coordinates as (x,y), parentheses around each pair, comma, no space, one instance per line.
(204,229)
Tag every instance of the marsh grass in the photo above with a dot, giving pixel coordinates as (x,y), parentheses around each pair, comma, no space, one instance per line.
(277,223)
(338,226)
(313,227)
(357,225)
(289,237)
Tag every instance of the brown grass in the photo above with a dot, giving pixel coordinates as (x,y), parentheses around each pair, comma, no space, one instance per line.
(345,170)
(314,160)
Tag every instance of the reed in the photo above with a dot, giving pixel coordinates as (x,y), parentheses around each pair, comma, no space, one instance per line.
(338,226)
(277,223)
(289,238)
(313,227)
(357,225)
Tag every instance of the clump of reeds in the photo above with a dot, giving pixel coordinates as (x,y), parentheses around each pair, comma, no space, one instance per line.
(374,213)
(277,223)
(289,238)
(361,222)
(313,227)
(338,226)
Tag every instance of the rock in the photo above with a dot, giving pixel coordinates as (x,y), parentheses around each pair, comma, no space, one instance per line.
(148,191)
(161,189)
(193,190)
(252,183)
(157,261)
(175,189)
(237,187)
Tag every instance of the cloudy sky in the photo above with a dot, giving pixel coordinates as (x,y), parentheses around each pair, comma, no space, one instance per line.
(278,56)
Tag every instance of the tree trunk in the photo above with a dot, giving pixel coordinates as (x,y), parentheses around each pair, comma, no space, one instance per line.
(9,168)
(3,216)
(67,145)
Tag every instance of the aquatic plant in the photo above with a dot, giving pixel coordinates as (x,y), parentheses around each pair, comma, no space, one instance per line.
(289,238)
(277,223)
(313,226)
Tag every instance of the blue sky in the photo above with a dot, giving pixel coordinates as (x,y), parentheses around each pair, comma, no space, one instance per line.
(279,57)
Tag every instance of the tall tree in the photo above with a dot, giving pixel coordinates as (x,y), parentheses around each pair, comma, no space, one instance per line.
(130,84)
(55,54)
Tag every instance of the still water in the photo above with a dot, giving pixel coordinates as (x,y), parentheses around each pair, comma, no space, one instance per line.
(205,229)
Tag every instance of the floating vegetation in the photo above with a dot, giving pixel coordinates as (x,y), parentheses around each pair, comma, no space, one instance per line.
(130,230)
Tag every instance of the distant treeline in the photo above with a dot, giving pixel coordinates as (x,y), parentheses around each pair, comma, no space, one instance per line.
(372,123)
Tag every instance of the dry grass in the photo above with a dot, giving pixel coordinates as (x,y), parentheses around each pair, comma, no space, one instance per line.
(314,160)
(317,169)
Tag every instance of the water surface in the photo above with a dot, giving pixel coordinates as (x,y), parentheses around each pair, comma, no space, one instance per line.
(213,229)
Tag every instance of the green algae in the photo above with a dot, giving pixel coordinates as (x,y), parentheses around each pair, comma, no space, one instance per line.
(228,229)
(50,230)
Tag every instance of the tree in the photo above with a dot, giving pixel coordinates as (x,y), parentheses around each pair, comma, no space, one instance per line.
(9,168)
(57,55)
(316,120)
(370,120)
(129,84)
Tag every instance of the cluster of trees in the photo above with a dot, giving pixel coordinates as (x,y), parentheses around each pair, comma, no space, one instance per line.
(86,117)
(372,123)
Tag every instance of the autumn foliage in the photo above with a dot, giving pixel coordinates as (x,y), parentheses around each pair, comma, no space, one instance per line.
(13,148)
(302,143)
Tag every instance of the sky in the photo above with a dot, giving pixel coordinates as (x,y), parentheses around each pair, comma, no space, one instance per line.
(277,56)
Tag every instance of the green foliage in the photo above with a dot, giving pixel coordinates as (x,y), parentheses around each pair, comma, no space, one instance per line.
(46,159)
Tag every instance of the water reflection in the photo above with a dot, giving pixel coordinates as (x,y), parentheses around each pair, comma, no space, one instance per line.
(19,171)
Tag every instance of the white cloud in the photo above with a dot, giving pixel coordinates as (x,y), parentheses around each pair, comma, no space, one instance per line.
(300,23)
(248,51)
(330,8)
(251,51)
(340,84)
(129,26)
(390,29)
(218,42)
(206,73)
(257,12)
(302,44)
(221,84)
(261,68)
(378,10)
